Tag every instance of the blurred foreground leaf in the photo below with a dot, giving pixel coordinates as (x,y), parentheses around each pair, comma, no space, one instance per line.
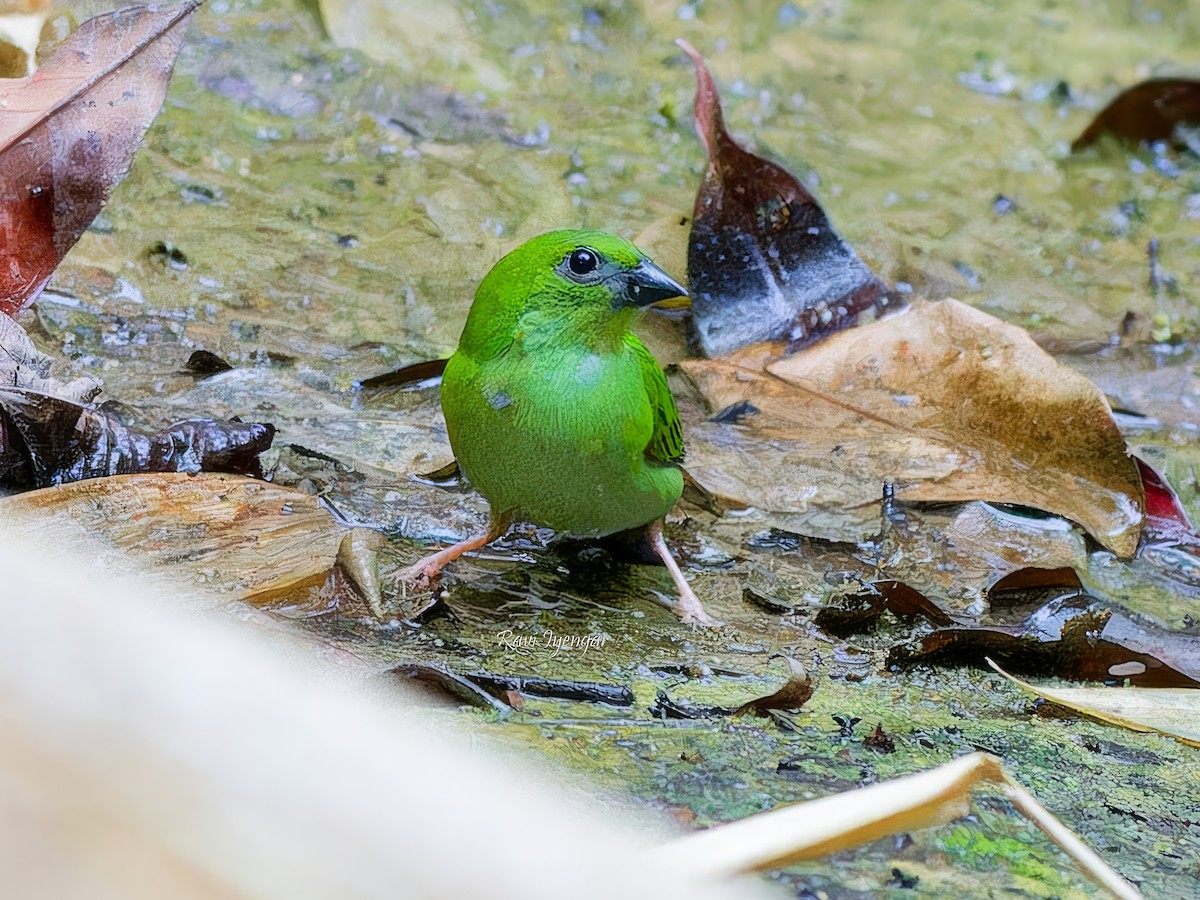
(773,839)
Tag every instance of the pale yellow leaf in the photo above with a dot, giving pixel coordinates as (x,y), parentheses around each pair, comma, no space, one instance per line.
(1171,711)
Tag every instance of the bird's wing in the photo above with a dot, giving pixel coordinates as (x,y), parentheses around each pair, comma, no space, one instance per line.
(666,441)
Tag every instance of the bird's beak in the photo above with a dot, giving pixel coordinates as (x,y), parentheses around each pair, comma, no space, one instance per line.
(648,285)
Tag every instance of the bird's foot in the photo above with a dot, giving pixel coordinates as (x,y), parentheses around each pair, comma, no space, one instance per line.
(691,612)
(688,607)
(421,577)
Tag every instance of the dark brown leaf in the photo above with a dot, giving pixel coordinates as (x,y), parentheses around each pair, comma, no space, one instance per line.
(68,135)
(1149,111)
(795,692)
(49,440)
(1075,638)
(764,263)
(860,612)
(422,374)
(204,363)
(1029,578)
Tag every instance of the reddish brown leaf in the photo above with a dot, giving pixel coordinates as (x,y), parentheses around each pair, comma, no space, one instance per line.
(1033,578)
(1166,519)
(1075,638)
(764,263)
(68,135)
(1149,111)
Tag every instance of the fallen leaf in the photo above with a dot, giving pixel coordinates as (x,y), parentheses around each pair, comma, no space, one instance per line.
(764,263)
(797,689)
(1171,711)
(1166,519)
(21,24)
(1149,111)
(418,375)
(943,401)
(69,133)
(1073,637)
(50,440)
(1031,578)
(243,538)
(818,828)
(860,612)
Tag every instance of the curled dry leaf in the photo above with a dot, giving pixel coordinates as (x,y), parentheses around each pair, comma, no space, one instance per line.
(764,263)
(944,401)
(1171,711)
(1149,111)
(47,440)
(796,690)
(69,133)
(1070,637)
(243,538)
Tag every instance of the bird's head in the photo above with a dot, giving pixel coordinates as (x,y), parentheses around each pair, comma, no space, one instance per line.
(576,281)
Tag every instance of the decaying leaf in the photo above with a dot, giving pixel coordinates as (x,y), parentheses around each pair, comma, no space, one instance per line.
(50,440)
(418,375)
(801,831)
(797,689)
(944,401)
(1072,637)
(860,612)
(1170,711)
(243,538)
(69,132)
(764,262)
(22,365)
(1149,111)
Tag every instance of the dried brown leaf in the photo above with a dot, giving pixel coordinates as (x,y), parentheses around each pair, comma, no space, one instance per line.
(944,401)
(69,132)
(238,536)
(1170,711)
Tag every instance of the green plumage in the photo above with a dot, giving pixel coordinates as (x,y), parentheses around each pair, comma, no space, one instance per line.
(557,413)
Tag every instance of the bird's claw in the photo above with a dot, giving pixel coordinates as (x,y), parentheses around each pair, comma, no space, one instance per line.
(419,578)
(697,617)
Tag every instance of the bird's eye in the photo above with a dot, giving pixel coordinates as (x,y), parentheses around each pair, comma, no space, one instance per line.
(583,261)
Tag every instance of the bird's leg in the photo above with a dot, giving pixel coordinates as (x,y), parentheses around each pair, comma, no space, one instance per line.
(424,573)
(688,608)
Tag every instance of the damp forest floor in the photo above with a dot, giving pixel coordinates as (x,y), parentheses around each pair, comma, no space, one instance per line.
(316,215)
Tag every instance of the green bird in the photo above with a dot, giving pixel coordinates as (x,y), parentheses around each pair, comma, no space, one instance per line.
(557,413)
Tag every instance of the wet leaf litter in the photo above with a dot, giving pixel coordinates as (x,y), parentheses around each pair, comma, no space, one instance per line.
(521,584)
